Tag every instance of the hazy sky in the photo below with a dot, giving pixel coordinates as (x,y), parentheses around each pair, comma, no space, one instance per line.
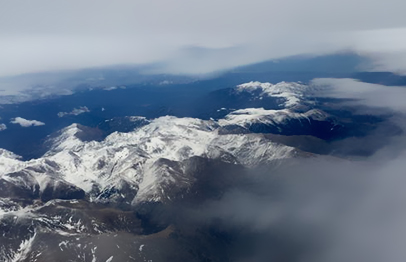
(51,34)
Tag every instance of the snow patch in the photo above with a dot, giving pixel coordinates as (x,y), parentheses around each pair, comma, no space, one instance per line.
(24,249)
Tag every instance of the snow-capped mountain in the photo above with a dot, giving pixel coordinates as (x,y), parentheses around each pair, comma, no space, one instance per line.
(291,94)
(254,94)
(142,161)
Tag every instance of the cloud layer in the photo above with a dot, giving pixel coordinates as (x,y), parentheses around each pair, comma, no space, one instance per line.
(52,35)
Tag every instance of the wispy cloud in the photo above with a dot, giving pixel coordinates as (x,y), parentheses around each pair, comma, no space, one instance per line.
(75,111)
(372,95)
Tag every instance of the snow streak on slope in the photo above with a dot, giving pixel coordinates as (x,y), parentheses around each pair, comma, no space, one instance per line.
(23,250)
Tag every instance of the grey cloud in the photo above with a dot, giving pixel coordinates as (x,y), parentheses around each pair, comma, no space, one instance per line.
(49,35)
(3,127)
(323,210)
(26,123)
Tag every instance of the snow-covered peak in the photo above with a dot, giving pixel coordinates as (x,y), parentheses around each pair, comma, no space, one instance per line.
(8,154)
(167,136)
(170,124)
(292,93)
(9,162)
(68,138)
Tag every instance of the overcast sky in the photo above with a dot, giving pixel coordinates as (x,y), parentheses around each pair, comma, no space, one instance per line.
(47,35)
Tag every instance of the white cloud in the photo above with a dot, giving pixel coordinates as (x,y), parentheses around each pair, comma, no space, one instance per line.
(3,127)
(75,111)
(26,123)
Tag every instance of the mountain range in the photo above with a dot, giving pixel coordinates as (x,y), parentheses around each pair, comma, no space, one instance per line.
(108,192)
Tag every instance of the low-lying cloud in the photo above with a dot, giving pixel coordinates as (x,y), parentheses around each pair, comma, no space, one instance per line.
(26,123)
